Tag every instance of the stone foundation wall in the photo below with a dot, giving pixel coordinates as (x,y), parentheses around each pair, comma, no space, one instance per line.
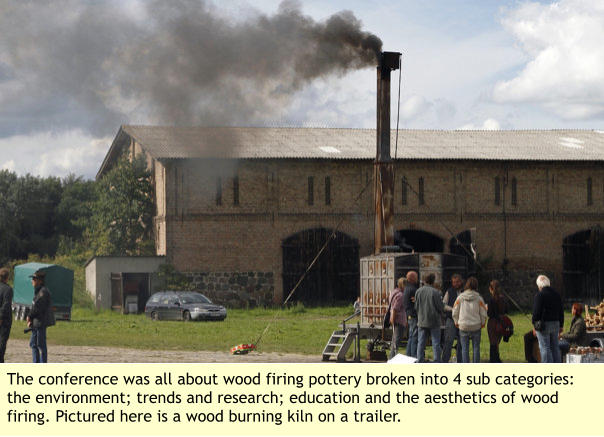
(519,284)
(235,289)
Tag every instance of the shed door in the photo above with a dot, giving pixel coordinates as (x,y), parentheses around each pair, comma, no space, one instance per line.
(117,292)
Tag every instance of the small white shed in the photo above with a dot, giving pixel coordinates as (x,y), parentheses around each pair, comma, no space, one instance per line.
(123,283)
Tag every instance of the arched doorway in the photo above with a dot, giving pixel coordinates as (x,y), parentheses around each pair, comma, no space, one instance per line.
(419,241)
(583,266)
(461,244)
(335,275)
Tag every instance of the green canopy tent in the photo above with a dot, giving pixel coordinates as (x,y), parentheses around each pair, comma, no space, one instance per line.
(59,281)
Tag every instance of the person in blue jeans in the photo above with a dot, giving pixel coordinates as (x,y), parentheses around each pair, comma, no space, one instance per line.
(451,331)
(38,318)
(430,311)
(409,306)
(470,316)
(547,308)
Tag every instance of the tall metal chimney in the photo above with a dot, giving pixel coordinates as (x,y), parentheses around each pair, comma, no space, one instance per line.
(383,174)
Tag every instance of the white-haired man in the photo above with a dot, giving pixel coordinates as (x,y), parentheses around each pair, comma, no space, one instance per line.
(548,315)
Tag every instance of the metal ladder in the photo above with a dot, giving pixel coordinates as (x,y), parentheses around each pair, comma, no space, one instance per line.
(341,340)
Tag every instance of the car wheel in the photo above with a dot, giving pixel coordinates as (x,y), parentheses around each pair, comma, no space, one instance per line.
(186,316)
(154,316)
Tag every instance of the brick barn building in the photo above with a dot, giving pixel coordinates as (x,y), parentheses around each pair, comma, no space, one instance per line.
(242,211)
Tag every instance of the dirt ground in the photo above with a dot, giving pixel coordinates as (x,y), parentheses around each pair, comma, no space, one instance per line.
(18,351)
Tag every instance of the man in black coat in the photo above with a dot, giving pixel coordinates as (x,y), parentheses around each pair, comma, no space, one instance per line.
(548,312)
(38,318)
(6,312)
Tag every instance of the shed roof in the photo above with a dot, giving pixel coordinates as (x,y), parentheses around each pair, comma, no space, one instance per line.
(328,143)
(124,257)
(169,142)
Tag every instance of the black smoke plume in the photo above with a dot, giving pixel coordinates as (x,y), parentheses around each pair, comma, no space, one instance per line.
(95,65)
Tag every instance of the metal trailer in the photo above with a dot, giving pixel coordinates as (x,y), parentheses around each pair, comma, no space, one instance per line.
(59,280)
(379,275)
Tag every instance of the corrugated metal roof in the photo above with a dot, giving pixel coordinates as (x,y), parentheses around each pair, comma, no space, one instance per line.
(326,143)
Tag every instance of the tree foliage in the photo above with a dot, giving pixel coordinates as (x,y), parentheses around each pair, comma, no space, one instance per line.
(74,214)
(171,279)
(123,211)
(28,223)
(47,216)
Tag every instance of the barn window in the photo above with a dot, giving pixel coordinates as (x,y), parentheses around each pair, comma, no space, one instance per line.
(311,190)
(514,192)
(327,190)
(589,195)
(420,190)
(497,190)
(404,191)
(236,190)
(218,190)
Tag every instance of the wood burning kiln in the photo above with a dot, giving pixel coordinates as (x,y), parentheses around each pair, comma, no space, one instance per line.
(380,271)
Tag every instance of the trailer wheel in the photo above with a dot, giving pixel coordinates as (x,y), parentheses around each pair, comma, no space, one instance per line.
(186,316)
(154,316)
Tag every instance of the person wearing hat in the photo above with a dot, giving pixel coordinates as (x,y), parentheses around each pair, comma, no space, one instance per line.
(38,318)
(6,312)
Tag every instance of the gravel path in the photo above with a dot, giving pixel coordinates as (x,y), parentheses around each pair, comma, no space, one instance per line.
(18,351)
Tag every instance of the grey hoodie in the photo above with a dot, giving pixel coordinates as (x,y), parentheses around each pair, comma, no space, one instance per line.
(469,311)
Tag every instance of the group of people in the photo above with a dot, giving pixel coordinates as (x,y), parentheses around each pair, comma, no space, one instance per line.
(38,318)
(423,310)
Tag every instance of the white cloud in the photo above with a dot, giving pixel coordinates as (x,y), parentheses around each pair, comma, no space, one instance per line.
(54,154)
(9,165)
(413,106)
(488,124)
(564,41)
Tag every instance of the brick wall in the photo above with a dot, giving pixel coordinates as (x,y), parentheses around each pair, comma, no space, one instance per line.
(520,285)
(203,236)
(235,289)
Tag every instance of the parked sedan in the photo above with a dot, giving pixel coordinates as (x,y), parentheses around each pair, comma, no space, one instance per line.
(183,305)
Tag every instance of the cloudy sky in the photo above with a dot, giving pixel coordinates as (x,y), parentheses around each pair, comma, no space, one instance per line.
(72,71)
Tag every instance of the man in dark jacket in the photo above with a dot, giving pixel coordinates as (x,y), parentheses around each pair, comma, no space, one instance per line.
(430,309)
(547,308)
(451,331)
(38,317)
(6,313)
(409,305)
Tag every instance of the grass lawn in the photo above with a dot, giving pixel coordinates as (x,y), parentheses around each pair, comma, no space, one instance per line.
(295,330)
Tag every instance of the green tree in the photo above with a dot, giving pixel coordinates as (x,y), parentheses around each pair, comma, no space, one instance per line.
(9,227)
(171,279)
(35,200)
(123,211)
(74,213)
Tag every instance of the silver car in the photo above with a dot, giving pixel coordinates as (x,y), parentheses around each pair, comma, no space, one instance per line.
(183,305)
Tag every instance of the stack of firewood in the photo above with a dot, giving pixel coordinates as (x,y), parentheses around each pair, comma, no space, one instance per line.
(595,320)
